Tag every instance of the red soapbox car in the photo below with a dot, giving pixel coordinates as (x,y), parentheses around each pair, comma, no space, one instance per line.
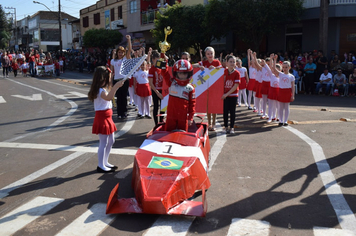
(169,168)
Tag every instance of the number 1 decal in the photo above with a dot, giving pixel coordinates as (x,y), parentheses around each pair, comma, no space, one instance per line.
(169,149)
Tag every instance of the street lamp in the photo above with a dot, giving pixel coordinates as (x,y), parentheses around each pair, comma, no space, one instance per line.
(59,22)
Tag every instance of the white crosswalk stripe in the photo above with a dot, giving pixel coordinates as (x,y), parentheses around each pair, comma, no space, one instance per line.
(170,225)
(2,100)
(240,227)
(92,222)
(321,231)
(25,214)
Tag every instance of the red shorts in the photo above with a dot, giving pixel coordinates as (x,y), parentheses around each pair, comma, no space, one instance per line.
(284,95)
(265,87)
(251,84)
(273,93)
(24,71)
(258,87)
(242,84)
(143,90)
(103,123)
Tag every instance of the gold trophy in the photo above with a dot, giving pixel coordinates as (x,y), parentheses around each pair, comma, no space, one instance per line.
(164,46)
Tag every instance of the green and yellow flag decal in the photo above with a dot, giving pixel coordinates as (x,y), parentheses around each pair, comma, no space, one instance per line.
(165,163)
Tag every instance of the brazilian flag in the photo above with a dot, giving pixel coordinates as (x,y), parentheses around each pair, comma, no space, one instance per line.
(165,163)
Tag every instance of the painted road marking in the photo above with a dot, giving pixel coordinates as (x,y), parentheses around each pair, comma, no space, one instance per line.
(321,231)
(2,100)
(170,225)
(63,85)
(56,147)
(124,172)
(25,214)
(34,97)
(92,222)
(218,145)
(128,125)
(242,227)
(57,122)
(345,216)
(70,95)
(7,189)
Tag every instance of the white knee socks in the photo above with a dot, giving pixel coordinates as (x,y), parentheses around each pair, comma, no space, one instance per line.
(105,145)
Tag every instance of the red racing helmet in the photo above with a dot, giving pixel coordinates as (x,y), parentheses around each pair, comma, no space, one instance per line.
(183,66)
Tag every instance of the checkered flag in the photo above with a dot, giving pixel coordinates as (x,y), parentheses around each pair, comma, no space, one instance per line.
(130,66)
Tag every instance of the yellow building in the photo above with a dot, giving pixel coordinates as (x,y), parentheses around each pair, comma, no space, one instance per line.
(107,14)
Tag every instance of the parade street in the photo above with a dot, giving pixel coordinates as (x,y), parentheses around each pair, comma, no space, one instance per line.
(265,180)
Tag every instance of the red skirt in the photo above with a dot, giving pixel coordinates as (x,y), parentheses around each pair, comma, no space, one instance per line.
(143,90)
(103,123)
(284,95)
(251,84)
(24,71)
(265,87)
(131,82)
(258,87)
(242,84)
(273,93)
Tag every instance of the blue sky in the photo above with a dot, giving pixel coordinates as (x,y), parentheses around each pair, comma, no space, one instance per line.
(27,7)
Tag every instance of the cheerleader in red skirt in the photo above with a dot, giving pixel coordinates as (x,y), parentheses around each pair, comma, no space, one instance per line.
(103,124)
(243,82)
(258,64)
(273,92)
(143,91)
(286,91)
(266,78)
(251,83)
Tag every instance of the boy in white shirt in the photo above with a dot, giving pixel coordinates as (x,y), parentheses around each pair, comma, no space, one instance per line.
(326,80)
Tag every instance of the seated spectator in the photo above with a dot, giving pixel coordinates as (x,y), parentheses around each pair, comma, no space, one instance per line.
(324,81)
(335,64)
(352,83)
(340,82)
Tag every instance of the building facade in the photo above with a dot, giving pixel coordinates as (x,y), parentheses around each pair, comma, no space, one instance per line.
(43,28)
(107,14)
(304,36)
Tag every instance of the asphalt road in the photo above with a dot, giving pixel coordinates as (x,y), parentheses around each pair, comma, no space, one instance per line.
(266,180)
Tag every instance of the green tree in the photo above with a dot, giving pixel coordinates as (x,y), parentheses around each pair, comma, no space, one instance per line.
(5,29)
(102,39)
(189,26)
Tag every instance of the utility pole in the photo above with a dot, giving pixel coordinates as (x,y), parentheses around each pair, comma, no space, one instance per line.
(323,25)
(15,32)
(60,27)
(59,22)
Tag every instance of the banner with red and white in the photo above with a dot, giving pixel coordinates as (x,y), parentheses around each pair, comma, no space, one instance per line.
(209,88)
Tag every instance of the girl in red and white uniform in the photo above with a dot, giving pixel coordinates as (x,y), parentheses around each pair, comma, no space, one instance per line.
(258,64)
(143,91)
(103,124)
(266,78)
(286,91)
(273,92)
(210,63)
(251,83)
(156,83)
(244,79)
(231,88)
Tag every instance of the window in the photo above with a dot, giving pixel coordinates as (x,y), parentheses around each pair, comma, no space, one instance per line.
(119,13)
(86,21)
(112,14)
(133,6)
(50,35)
(97,19)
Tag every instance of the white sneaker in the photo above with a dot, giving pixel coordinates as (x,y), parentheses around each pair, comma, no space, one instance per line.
(232,131)
(239,105)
